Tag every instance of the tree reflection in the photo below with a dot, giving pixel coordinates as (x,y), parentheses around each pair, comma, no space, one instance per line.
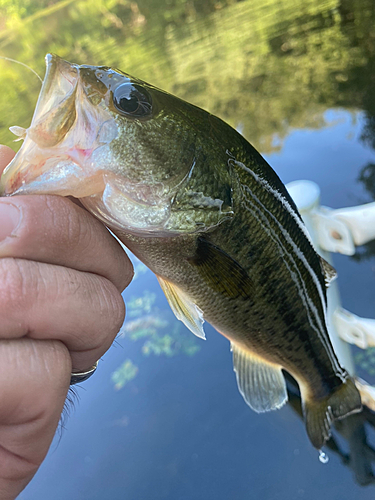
(159,332)
(269,73)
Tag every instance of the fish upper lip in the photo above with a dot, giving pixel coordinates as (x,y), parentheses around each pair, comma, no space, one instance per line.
(58,71)
(54,62)
(60,83)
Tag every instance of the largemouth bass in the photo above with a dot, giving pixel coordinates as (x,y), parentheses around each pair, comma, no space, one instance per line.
(192,199)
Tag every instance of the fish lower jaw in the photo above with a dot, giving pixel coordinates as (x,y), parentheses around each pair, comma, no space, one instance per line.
(50,176)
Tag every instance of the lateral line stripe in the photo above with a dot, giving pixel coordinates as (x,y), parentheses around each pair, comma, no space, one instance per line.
(302,292)
(279,196)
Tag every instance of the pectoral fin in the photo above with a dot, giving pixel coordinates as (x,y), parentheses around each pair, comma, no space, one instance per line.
(183,307)
(261,384)
(220,271)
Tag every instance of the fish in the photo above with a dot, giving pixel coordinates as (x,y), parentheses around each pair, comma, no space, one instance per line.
(201,208)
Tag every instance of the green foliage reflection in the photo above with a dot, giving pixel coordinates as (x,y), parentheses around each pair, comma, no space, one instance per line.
(124,374)
(161,333)
(366,360)
(138,306)
(264,66)
(171,343)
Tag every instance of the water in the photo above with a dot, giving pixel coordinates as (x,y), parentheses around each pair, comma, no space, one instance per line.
(323,457)
(162,417)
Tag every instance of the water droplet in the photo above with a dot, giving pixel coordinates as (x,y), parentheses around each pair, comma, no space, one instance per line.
(323,457)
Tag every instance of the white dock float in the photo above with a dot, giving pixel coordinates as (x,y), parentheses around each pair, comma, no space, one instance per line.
(339,231)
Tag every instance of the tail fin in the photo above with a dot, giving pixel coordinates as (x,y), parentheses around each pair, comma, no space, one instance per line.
(319,414)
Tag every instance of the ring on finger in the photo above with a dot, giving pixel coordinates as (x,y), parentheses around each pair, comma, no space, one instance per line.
(80,376)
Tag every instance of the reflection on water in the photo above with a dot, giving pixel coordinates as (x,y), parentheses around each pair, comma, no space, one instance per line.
(290,61)
(160,336)
(137,306)
(366,360)
(141,327)
(271,68)
(124,374)
(172,343)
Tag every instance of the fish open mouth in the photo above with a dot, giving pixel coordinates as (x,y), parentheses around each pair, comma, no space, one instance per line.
(65,131)
(67,151)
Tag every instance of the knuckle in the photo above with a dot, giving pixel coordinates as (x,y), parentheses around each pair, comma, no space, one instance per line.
(80,230)
(24,287)
(126,273)
(111,306)
(12,283)
(55,359)
(69,226)
(57,231)
(96,332)
(115,307)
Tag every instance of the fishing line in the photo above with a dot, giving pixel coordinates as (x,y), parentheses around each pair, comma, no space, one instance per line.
(22,64)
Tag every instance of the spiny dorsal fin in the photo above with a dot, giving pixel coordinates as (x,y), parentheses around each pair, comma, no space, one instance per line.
(329,271)
(261,384)
(222,273)
(183,307)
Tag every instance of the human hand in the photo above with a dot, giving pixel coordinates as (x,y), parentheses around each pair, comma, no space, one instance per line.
(61,278)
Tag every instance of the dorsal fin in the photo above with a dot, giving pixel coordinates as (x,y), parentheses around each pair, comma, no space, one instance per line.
(261,384)
(329,271)
(220,271)
(183,307)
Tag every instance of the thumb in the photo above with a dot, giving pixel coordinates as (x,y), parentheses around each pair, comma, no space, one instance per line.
(34,381)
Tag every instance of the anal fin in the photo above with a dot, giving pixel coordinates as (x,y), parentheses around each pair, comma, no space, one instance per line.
(261,384)
(183,307)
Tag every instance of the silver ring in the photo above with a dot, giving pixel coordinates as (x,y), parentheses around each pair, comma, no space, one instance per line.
(78,377)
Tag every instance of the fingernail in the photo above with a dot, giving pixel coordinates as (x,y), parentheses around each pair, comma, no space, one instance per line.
(9,219)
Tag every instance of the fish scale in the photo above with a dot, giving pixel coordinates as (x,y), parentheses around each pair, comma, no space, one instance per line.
(193,200)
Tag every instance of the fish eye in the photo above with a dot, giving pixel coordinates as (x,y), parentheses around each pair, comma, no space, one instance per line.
(132,100)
